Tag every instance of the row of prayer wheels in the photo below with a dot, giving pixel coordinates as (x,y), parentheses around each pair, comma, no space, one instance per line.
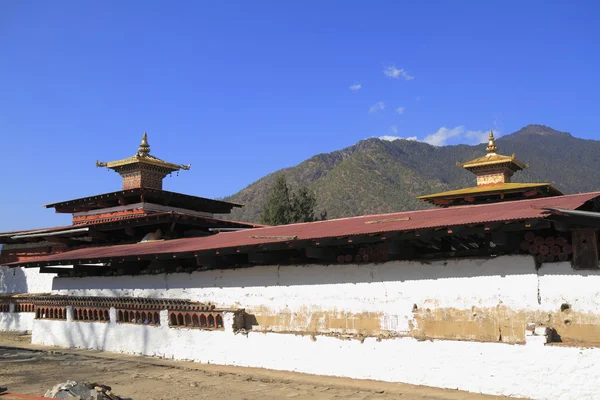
(364,254)
(548,248)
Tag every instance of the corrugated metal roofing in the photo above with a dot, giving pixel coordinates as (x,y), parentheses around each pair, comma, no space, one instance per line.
(364,225)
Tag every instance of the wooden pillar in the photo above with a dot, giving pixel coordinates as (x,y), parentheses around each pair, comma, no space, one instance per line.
(585,249)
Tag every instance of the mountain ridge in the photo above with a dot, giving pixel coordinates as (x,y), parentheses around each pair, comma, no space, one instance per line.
(379,176)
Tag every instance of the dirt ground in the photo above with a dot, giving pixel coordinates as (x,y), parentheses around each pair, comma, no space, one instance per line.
(30,369)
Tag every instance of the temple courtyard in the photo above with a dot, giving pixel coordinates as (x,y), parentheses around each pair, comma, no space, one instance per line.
(31,369)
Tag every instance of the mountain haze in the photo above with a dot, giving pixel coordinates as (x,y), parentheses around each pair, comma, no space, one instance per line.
(377,176)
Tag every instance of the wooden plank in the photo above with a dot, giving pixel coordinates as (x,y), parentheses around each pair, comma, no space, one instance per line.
(585,249)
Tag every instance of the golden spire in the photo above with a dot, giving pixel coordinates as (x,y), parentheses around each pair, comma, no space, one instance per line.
(491,147)
(144,146)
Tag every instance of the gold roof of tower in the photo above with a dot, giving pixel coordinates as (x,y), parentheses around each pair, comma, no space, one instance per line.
(143,156)
(493,172)
(493,160)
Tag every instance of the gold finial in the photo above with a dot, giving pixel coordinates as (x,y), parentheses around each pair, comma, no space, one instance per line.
(144,146)
(491,147)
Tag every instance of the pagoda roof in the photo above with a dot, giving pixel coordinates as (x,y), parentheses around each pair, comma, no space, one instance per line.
(495,159)
(135,195)
(492,159)
(143,156)
(514,191)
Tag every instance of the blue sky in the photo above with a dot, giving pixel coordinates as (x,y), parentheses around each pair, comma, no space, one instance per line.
(240,89)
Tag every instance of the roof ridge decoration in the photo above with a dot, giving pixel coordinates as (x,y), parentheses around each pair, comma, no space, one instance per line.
(492,158)
(143,169)
(491,147)
(494,172)
(143,156)
(144,146)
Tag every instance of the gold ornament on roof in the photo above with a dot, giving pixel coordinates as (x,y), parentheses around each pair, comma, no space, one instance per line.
(492,159)
(144,146)
(491,147)
(494,172)
(143,157)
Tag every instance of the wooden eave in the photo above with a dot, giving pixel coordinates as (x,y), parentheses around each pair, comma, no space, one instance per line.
(136,195)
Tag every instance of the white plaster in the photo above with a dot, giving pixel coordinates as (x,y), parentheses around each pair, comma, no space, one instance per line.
(390,288)
(532,370)
(24,280)
(561,284)
(16,322)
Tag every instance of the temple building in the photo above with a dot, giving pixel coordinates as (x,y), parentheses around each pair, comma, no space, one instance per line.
(499,282)
(494,172)
(140,211)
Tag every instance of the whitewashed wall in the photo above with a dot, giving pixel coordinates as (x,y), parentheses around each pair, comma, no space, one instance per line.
(390,290)
(16,322)
(392,287)
(531,370)
(24,280)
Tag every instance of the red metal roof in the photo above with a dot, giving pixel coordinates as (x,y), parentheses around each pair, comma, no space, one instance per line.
(364,225)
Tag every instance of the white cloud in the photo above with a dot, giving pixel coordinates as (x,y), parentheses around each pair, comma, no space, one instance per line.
(440,138)
(400,110)
(445,136)
(393,72)
(390,138)
(356,87)
(379,106)
(461,135)
(477,137)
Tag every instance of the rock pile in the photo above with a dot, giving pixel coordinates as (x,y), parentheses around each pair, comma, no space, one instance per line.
(82,391)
